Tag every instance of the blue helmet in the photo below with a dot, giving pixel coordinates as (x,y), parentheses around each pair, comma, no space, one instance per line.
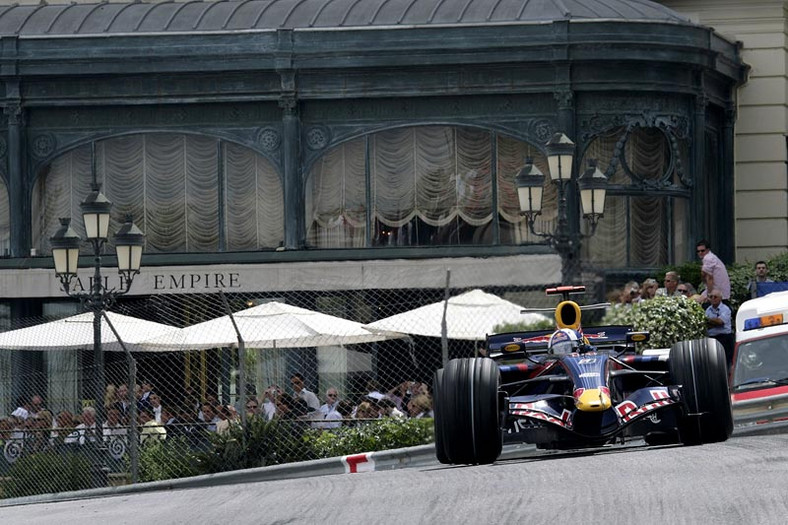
(564,341)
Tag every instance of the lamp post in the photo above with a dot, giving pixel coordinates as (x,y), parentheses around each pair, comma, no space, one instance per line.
(593,185)
(98,296)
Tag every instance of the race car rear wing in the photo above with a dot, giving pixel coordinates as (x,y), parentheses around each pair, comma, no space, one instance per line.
(601,337)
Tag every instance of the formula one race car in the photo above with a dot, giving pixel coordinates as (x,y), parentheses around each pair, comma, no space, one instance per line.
(573,388)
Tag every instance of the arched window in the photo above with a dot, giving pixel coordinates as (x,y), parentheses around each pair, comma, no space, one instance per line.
(647,210)
(174,186)
(420,186)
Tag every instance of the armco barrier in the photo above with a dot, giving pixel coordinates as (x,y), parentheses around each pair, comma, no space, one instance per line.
(411,457)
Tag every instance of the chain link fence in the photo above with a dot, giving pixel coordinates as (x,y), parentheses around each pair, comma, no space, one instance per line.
(222,381)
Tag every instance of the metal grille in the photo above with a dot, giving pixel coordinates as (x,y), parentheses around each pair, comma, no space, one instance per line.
(216,391)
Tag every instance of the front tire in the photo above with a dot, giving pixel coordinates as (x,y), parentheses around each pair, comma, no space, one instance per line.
(699,366)
(439,419)
(467,413)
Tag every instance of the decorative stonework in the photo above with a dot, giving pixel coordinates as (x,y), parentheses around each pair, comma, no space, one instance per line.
(541,129)
(317,138)
(3,147)
(269,139)
(43,145)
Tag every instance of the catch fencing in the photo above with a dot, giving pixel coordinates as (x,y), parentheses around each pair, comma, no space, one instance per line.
(214,369)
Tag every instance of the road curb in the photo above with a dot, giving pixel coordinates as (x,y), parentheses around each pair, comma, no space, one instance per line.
(423,455)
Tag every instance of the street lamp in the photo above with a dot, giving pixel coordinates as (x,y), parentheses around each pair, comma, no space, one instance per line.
(97,297)
(593,186)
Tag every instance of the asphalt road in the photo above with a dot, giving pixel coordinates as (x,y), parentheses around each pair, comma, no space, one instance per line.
(744,480)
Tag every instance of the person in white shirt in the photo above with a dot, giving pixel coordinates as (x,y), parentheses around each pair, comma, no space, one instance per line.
(328,411)
(86,431)
(155,405)
(297,381)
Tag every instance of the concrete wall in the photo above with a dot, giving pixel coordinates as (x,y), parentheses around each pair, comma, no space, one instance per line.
(761,177)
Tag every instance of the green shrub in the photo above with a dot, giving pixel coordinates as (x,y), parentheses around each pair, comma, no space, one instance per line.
(166,459)
(261,443)
(382,434)
(48,472)
(667,319)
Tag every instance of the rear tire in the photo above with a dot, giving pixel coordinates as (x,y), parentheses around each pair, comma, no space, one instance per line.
(700,367)
(438,419)
(467,413)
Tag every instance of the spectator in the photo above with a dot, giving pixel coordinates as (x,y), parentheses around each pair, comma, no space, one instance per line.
(631,294)
(686,289)
(110,396)
(389,409)
(269,401)
(150,431)
(367,410)
(228,416)
(252,407)
(400,393)
(63,427)
(718,321)
(22,410)
(671,282)
(209,416)
(38,432)
(420,406)
(373,390)
(761,276)
(328,411)
(113,426)
(297,381)
(649,289)
(143,399)
(291,408)
(86,431)
(155,405)
(37,405)
(713,272)
(122,401)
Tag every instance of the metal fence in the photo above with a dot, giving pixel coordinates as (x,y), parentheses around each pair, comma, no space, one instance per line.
(232,368)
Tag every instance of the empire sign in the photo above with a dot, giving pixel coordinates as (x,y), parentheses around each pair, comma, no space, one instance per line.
(196,281)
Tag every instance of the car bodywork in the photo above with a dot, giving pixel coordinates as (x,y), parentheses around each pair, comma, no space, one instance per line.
(605,392)
(759,379)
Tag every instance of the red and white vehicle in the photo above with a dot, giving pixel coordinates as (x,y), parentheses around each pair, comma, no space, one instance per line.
(759,380)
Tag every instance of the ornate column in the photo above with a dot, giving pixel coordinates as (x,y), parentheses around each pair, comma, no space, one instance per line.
(291,163)
(18,200)
(728,186)
(291,142)
(698,224)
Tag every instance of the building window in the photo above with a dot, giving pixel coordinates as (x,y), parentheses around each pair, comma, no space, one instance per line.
(170,184)
(418,186)
(646,217)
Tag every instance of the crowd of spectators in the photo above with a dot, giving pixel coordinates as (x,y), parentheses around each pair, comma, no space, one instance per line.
(32,424)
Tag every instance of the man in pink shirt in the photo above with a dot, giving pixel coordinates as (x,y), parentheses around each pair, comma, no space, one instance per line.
(713,271)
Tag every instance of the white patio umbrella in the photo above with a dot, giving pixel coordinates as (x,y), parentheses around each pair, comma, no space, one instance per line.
(76,333)
(469,316)
(269,325)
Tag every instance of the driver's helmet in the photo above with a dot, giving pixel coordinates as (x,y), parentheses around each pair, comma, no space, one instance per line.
(564,341)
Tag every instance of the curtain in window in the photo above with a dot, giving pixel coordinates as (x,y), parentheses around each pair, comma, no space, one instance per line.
(336,198)
(428,185)
(254,201)
(169,183)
